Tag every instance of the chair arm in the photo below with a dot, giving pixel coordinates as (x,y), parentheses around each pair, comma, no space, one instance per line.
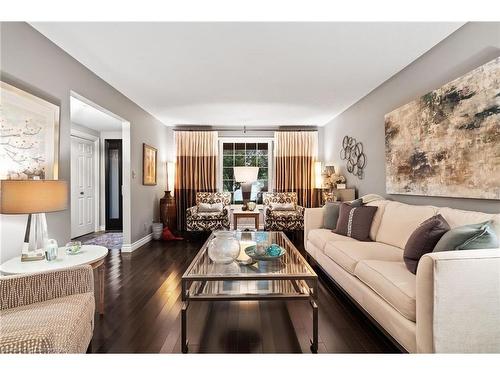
(191,211)
(313,219)
(21,290)
(458,301)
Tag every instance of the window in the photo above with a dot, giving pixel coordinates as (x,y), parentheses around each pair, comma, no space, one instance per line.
(241,153)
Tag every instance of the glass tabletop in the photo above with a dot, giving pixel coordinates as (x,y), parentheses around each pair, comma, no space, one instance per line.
(291,266)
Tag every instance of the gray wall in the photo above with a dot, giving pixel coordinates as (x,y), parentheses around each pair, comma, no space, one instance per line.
(469,47)
(33,63)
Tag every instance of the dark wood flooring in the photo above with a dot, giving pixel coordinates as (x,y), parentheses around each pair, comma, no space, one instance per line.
(142,313)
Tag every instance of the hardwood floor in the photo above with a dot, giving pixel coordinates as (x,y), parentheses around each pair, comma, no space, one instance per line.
(142,313)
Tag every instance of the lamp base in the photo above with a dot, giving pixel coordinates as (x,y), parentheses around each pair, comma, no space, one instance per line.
(35,238)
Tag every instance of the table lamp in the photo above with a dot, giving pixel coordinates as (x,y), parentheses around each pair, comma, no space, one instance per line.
(246,176)
(35,198)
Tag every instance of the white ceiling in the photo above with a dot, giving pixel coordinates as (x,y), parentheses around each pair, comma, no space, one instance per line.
(90,117)
(246,73)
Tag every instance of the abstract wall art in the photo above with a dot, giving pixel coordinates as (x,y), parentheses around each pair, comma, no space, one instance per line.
(149,154)
(447,142)
(29,135)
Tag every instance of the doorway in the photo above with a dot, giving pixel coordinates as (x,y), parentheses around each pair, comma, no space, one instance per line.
(113,184)
(100,177)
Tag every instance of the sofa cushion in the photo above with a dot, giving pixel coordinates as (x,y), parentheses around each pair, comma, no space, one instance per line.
(319,237)
(377,218)
(210,207)
(458,218)
(60,325)
(331,214)
(348,253)
(423,240)
(355,221)
(391,281)
(468,237)
(400,220)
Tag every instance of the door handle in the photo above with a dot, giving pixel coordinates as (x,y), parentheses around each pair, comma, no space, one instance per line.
(82,193)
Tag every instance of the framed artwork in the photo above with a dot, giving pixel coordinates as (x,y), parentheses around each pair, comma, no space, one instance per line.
(148,165)
(446,143)
(29,136)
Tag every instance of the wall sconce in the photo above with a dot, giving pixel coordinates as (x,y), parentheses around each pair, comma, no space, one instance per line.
(170,175)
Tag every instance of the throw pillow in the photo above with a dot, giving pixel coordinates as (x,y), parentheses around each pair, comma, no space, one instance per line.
(331,215)
(282,206)
(468,237)
(210,207)
(423,239)
(357,202)
(355,222)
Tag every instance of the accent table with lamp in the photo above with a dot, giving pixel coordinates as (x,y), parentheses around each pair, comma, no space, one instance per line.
(92,255)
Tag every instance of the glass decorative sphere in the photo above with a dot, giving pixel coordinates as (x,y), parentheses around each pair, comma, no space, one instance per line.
(224,247)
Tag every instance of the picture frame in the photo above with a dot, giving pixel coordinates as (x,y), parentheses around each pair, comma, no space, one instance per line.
(149,165)
(30,135)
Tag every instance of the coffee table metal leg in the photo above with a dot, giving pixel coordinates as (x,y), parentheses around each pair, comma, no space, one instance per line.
(314,342)
(101,289)
(184,341)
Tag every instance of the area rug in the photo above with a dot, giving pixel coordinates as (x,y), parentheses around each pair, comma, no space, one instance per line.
(110,240)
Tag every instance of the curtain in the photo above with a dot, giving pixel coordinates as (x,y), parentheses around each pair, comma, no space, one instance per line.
(294,156)
(196,157)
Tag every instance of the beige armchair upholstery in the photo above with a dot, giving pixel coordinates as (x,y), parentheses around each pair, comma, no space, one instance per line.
(50,312)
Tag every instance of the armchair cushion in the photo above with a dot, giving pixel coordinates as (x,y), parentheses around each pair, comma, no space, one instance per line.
(198,219)
(60,325)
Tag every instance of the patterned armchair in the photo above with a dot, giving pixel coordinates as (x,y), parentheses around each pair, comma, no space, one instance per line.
(209,221)
(281,220)
(49,312)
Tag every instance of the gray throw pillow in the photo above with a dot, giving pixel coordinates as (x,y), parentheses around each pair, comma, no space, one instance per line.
(355,222)
(468,237)
(331,215)
(423,239)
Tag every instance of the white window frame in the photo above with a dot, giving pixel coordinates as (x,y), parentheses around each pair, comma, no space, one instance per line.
(270,153)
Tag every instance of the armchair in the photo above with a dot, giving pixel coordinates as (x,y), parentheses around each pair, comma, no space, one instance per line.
(282,220)
(49,312)
(197,220)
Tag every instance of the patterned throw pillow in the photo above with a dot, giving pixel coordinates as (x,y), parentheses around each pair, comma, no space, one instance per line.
(210,207)
(355,222)
(282,206)
(423,239)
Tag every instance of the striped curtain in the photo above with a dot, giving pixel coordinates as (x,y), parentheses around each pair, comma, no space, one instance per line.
(196,169)
(294,157)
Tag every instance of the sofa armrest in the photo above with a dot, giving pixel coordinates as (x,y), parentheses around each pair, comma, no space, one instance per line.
(458,302)
(313,219)
(21,290)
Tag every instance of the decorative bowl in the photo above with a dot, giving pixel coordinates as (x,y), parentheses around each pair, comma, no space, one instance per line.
(224,247)
(73,247)
(251,251)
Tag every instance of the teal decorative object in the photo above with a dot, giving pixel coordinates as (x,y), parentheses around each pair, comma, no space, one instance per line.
(251,251)
(273,250)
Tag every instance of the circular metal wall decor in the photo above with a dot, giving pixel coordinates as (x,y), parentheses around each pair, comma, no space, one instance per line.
(352,152)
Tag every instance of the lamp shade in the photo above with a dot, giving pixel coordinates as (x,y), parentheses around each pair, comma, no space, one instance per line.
(246,174)
(33,196)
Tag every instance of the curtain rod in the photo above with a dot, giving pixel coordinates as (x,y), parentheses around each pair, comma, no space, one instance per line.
(245,129)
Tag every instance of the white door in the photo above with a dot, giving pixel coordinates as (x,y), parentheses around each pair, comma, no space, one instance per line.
(82,187)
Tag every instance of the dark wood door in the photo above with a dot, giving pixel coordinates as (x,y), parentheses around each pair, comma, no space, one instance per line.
(114,181)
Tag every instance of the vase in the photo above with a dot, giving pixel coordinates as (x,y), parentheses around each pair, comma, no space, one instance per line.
(224,247)
(168,214)
(157,230)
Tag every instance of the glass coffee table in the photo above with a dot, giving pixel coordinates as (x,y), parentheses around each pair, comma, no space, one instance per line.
(287,278)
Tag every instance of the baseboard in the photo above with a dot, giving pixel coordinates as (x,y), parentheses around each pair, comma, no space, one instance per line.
(102,228)
(128,248)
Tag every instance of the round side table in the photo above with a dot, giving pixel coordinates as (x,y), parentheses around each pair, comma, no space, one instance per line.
(90,254)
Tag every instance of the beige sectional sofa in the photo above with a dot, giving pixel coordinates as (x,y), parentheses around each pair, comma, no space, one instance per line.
(451,305)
